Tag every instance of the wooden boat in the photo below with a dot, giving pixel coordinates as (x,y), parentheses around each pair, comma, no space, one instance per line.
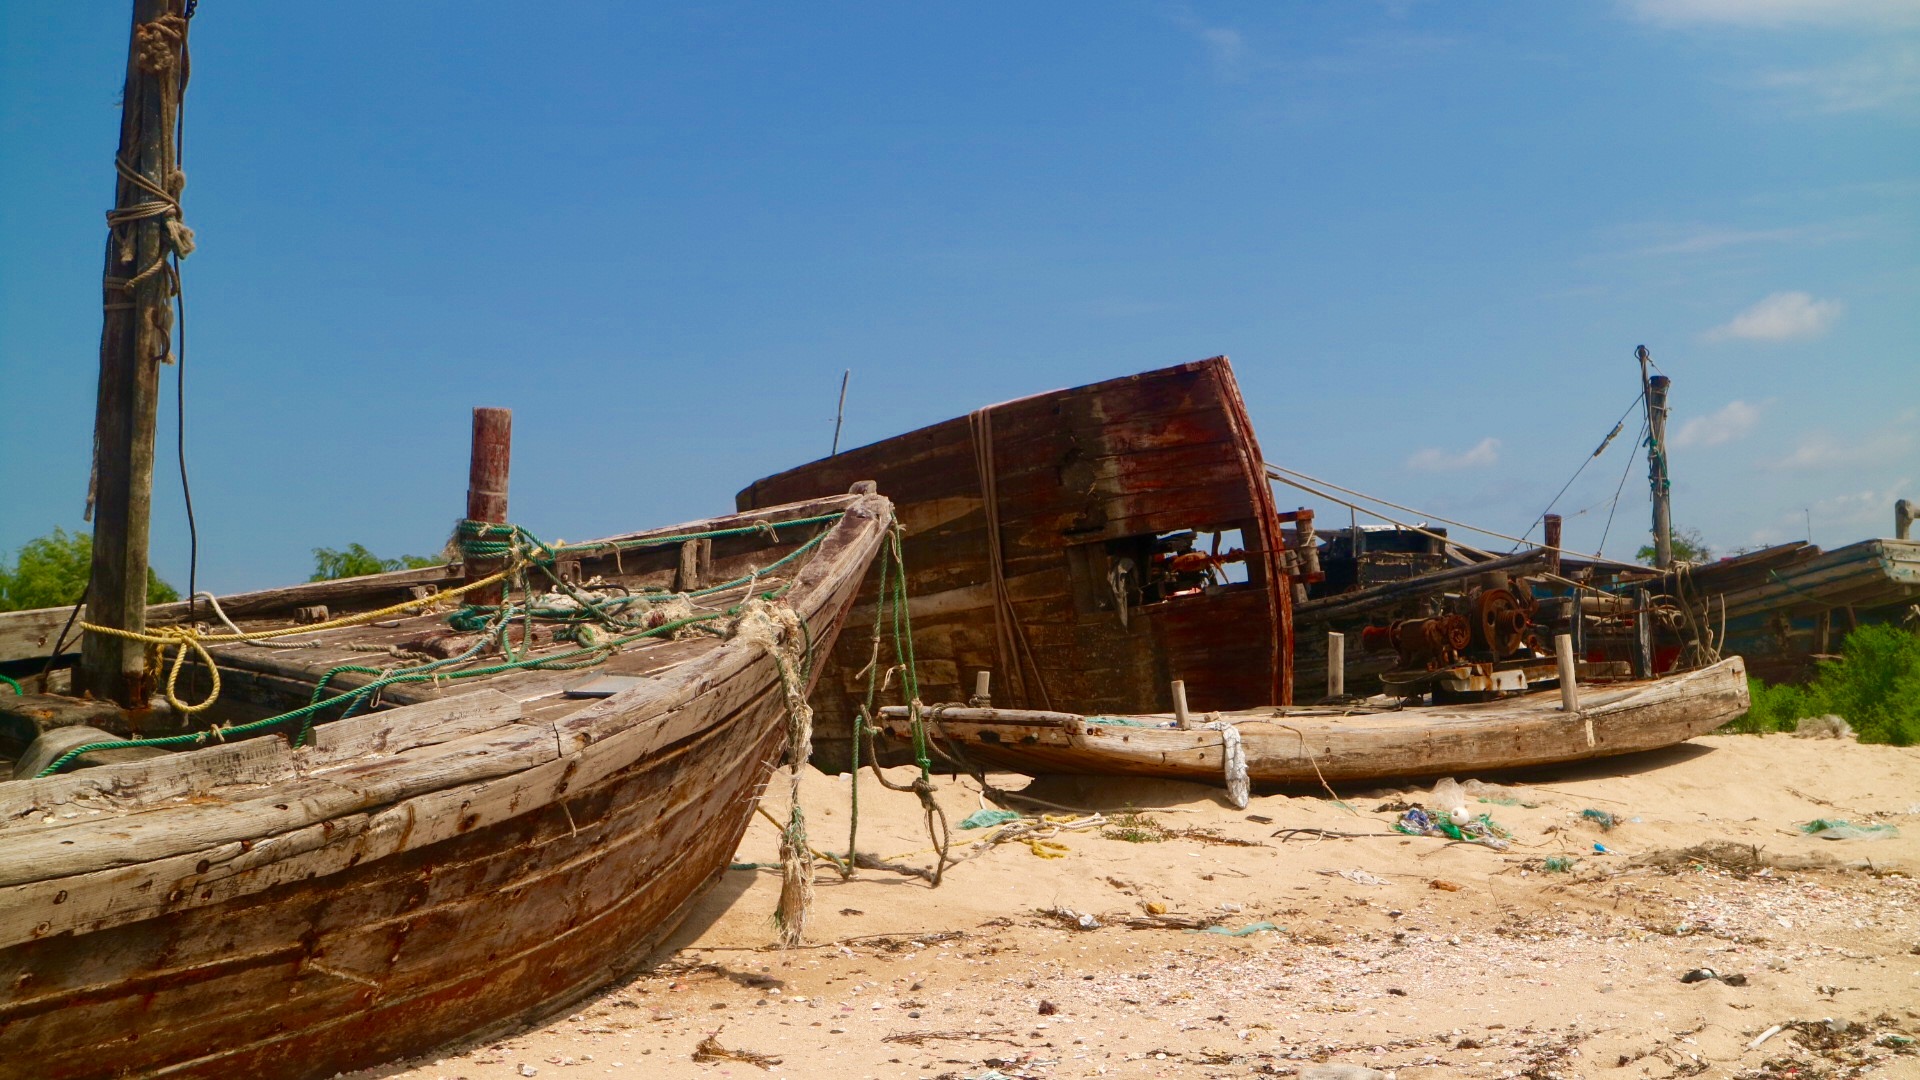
(1084,545)
(1304,745)
(470,854)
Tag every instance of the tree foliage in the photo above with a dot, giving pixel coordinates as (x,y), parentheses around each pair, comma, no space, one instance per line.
(357,561)
(1688,546)
(52,572)
(1874,686)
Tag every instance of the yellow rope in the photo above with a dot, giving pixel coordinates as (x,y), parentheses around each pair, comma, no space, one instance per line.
(182,638)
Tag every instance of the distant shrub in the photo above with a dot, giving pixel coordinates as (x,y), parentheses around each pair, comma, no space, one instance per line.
(1875,686)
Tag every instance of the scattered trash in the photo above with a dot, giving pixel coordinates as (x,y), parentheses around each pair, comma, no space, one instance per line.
(1601,849)
(981,819)
(990,1074)
(1451,799)
(1823,727)
(1698,975)
(1558,864)
(1837,829)
(711,1050)
(1358,877)
(1480,830)
(1603,818)
(1340,1072)
(1250,928)
(1443,885)
(1260,819)
(1765,1035)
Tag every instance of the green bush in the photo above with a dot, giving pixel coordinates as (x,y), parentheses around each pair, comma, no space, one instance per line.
(52,572)
(1874,686)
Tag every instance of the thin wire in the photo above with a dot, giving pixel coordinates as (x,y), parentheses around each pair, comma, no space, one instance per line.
(1616,493)
(180,355)
(1274,471)
(1612,433)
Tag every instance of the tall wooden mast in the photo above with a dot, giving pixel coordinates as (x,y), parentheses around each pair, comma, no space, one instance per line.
(1660,483)
(135,340)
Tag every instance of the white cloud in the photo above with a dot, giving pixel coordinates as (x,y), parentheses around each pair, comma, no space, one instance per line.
(1769,14)
(1861,507)
(1734,420)
(1226,47)
(1485,452)
(1880,78)
(1783,316)
(1661,239)
(1819,450)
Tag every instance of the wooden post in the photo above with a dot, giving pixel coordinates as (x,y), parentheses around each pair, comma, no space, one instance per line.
(487,468)
(982,689)
(1181,719)
(136,337)
(1564,660)
(1336,664)
(1657,478)
(1642,633)
(1553,543)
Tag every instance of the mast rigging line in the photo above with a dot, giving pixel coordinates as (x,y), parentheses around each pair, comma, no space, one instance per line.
(1618,426)
(1275,472)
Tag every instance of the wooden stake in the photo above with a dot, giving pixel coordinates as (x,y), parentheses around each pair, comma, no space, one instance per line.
(1642,633)
(135,338)
(487,469)
(1181,719)
(1553,543)
(1564,660)
(1336,664)
(982,688)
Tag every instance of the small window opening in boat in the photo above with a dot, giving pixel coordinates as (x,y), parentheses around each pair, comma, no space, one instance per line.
(1192,561)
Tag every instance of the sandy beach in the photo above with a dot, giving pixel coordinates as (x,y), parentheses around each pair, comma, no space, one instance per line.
(1075,948)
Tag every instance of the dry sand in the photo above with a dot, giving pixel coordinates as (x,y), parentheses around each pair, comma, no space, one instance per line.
(1413,956)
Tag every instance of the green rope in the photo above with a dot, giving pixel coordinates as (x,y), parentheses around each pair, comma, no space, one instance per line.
(572,660)
(15,685)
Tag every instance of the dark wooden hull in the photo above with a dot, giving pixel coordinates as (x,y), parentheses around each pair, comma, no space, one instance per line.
(1303,746)
(404,912)
(1082,479)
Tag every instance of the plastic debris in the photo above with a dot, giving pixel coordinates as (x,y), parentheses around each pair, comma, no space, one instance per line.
(1837,829)
(1699,975)
(1250,928)
(1480,830)
(1558,864)
(1601,849)
(1603,818)
(981,819)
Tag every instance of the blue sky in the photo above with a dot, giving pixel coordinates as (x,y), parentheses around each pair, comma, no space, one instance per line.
(1429,234)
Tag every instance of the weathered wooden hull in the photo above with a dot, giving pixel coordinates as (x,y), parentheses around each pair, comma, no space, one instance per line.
(396,898)
(1081,481)
(1305,745)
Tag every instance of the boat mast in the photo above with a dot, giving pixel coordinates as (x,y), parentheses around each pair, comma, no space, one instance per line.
(144,240)
(1655,389)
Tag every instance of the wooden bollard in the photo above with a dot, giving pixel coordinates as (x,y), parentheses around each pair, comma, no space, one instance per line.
(1336,664)
(487,469)
(1569,687)
(1553,528)
(1181,719)
(982,689)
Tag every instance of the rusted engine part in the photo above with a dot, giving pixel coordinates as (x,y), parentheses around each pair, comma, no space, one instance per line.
(1423,644)
(1176,568)
(1488,623)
